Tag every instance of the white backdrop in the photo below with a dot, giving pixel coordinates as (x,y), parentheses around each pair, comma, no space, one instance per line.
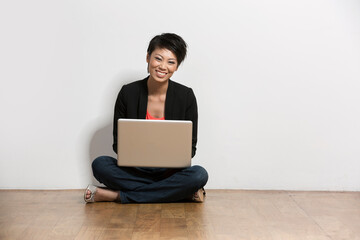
(277,84)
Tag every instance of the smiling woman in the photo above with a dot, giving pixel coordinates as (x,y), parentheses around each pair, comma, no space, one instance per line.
(162,64)
(155,97)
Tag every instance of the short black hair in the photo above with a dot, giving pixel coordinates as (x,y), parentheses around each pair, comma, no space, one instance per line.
(169,41)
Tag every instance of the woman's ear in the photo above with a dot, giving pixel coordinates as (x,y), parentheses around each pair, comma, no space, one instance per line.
(147,60)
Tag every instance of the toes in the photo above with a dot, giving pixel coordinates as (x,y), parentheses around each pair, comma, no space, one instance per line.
(88,194)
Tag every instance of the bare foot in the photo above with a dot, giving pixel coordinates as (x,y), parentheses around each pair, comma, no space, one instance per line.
(198,196)
(103,195)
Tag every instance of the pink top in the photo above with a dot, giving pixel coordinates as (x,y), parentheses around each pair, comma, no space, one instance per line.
(149,117)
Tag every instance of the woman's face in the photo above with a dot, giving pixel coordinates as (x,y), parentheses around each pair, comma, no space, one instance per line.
(162,64)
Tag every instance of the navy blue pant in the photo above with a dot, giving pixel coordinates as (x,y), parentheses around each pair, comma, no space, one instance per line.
(146,185)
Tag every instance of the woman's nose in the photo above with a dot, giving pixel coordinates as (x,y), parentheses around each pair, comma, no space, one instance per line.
(162,66)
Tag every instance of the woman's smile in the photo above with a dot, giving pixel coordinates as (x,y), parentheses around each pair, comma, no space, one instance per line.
(161,74)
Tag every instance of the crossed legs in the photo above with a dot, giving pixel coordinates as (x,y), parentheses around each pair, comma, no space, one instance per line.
(145,184)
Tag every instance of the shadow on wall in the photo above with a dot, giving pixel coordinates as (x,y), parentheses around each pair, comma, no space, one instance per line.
(102,140)
(101,145)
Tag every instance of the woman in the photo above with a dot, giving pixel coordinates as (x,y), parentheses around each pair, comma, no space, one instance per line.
(155,97)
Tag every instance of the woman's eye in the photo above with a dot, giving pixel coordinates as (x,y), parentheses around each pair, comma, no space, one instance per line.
(172,62)
(157,58)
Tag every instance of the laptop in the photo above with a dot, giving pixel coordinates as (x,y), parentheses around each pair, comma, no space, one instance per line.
(154,143)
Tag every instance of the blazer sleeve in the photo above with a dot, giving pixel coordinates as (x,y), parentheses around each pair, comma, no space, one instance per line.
(192,114)
(119,112)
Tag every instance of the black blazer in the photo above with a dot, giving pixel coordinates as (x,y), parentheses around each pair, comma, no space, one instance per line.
(180,104)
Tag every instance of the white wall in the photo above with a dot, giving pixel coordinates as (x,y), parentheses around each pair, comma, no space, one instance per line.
(277,84)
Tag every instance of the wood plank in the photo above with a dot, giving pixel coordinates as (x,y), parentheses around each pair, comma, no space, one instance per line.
(225,214)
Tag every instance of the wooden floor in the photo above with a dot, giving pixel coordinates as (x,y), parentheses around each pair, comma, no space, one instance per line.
(226,214)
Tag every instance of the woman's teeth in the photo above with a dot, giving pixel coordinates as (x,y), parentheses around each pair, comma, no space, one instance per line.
(161,73)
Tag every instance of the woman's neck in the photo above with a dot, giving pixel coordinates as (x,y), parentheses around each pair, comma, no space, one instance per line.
(157,88)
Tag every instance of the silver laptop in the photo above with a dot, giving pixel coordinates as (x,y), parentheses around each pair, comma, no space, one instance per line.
(154,143)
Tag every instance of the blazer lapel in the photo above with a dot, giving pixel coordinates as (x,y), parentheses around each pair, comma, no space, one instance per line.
(143,100)
(169,101)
